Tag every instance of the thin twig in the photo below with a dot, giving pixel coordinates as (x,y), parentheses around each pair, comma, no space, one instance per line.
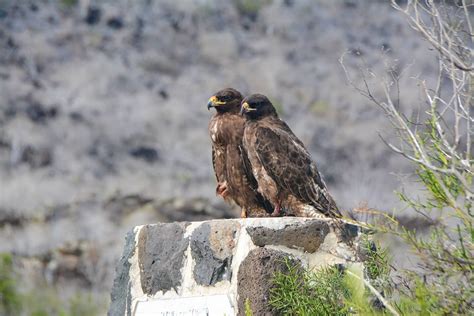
(376,293)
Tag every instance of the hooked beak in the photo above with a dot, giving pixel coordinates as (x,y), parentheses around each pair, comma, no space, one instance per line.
(246,108)
(213,102)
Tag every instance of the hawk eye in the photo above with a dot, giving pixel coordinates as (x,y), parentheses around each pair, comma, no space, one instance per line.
(225,98)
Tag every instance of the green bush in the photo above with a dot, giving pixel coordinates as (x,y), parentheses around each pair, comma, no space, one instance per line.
(10,299)
(43,302)
(309,293)
(334,290)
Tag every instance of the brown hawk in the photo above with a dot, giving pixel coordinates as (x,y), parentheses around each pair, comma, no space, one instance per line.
(235,180)
(282,166)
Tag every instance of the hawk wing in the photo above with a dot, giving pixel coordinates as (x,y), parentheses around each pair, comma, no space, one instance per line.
(252,182)
(287,161)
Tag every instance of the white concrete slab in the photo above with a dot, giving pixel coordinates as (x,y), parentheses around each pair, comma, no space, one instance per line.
(186,306)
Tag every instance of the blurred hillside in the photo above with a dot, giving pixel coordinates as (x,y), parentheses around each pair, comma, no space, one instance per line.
(103,120)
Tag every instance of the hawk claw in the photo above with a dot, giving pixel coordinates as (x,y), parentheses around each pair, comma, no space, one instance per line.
(225,193)
(243,213)
(222,189)
(276,211)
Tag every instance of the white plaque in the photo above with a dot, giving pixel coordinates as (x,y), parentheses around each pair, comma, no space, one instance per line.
(186,306)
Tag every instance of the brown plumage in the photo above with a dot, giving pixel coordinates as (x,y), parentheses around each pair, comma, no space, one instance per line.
(235,180)
(282,166)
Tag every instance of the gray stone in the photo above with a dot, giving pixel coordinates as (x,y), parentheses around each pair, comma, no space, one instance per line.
(161,249)
(120,296)
(255,277)
(212,246)
(308,235)
(348,232)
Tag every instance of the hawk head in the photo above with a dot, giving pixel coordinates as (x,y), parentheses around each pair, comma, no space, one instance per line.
(257,106)
(225,100)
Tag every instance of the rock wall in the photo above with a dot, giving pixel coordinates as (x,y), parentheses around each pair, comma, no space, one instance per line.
(215,267)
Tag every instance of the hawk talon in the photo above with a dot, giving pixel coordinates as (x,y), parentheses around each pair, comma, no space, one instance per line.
(222,190)
(225,193)
(276,211)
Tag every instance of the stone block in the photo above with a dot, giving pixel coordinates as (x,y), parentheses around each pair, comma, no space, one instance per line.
(214,267)
(212,246)
(161,250)
(291,236)
(255,279)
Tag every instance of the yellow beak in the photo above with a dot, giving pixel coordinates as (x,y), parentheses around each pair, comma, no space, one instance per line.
(213,102)
(246,108)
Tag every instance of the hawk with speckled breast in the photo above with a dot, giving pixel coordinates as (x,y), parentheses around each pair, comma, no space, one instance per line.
(235,180)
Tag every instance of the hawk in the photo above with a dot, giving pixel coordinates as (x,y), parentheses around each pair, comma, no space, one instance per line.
(235,180)
(282,166)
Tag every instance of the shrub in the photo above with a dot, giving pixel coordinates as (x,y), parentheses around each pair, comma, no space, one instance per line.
(438,143)
(309,293)
(10,301)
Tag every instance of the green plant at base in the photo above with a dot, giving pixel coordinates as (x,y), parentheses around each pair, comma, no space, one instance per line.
(248,309)
(337,291)
(361,301)
(376,259)
(300,292)
(10,300)
(423,301)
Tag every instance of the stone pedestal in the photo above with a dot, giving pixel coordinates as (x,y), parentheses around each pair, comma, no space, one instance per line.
(214,267)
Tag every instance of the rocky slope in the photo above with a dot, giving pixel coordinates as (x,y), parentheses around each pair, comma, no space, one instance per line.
(103,123)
